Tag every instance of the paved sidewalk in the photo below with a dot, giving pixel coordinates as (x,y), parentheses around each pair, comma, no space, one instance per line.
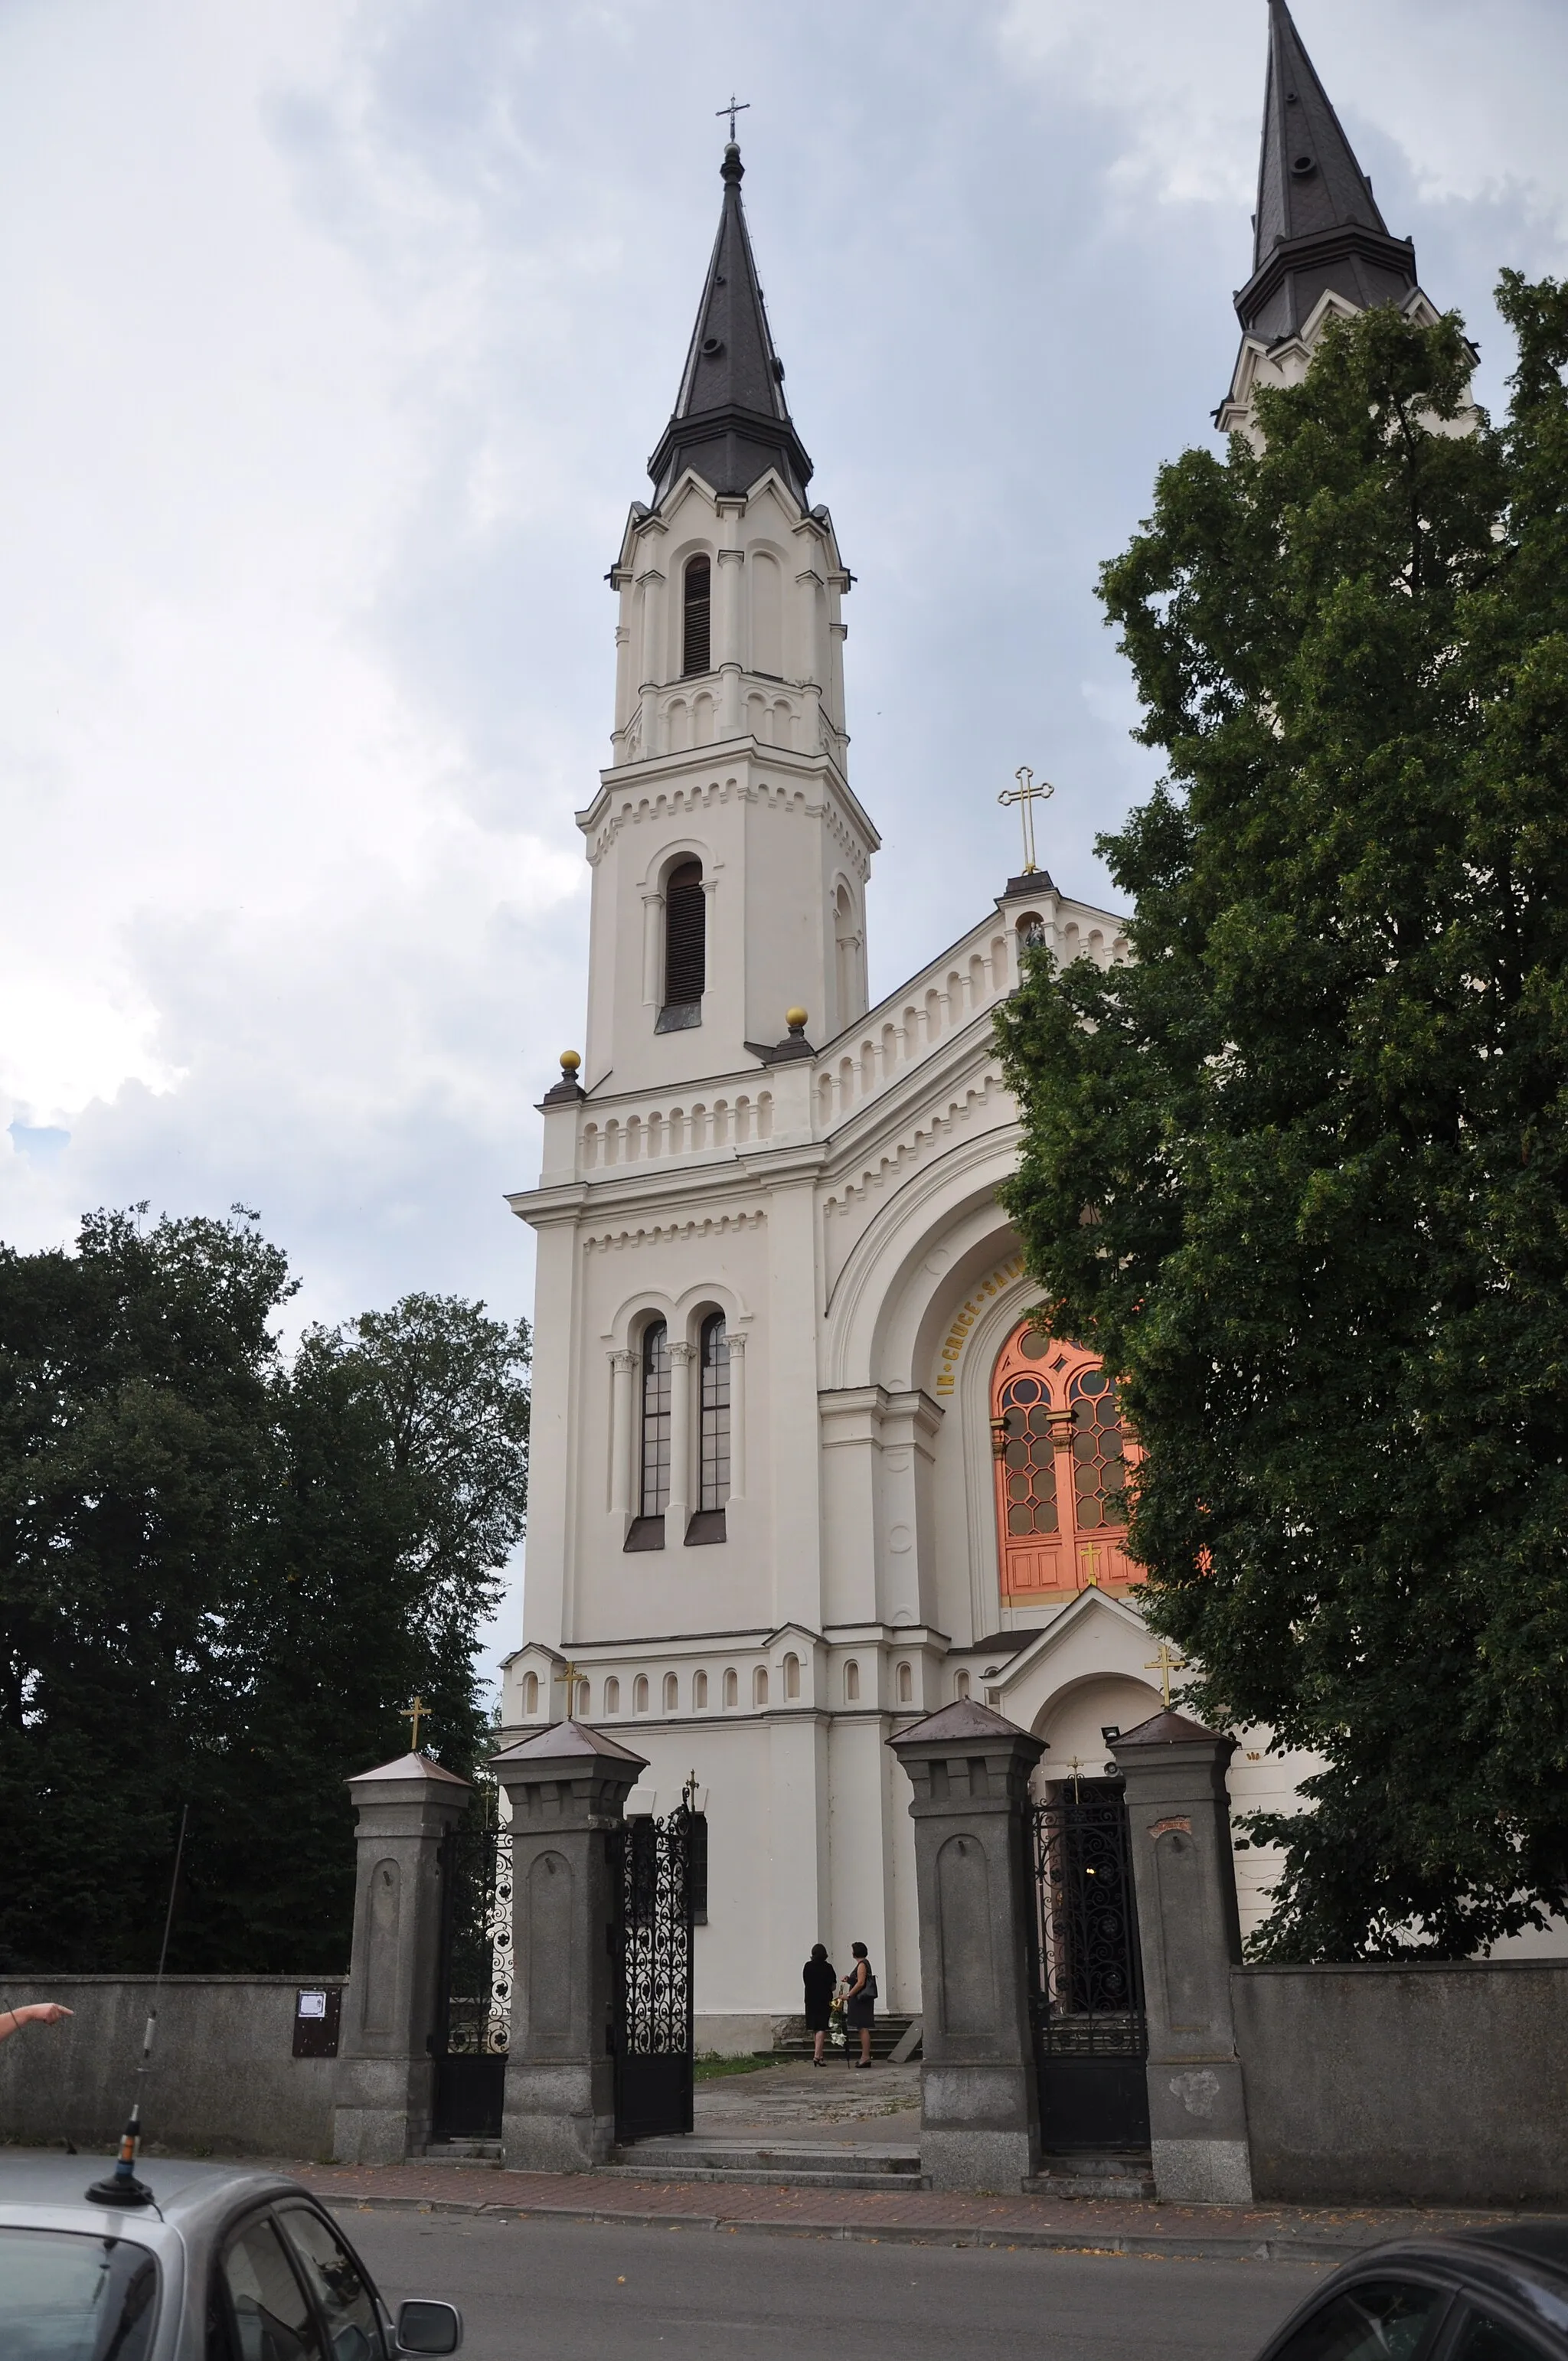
(923,2216)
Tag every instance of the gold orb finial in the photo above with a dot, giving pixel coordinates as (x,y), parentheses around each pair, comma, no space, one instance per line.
(570,1061)
(795,1019)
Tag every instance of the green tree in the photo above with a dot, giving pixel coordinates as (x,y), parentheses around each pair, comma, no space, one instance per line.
(1298,1170)
(221,1575)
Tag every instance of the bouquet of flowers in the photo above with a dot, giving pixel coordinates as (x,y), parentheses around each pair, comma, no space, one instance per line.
(836,2037)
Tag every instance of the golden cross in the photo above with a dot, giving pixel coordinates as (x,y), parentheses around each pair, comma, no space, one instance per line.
(1165,1663)
(416,1713)
(571,1674)
(1026,794)
(732,107)
(1075,1766)
(1092,1560)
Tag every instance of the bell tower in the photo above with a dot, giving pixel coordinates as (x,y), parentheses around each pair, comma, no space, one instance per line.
(729,856)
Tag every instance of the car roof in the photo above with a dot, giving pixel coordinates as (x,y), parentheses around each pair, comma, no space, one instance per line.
(187,2193)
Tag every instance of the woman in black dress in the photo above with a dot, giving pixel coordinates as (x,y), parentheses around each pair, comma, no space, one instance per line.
(819,1979)
(860,2002)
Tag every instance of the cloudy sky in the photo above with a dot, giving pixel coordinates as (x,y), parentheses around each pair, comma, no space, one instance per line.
(338,333)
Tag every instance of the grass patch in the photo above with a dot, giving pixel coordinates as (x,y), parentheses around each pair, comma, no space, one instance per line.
(708,2069)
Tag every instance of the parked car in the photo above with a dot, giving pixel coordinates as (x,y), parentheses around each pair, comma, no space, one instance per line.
(227,2264)
(1496,2294)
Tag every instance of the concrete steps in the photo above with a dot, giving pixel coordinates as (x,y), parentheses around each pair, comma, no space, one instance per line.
(794,2042)
(780,2164)
(462,2151)
(1121,2174)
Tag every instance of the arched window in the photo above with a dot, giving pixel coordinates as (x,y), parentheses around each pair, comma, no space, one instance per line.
(686,947)
(732,1686)
(581,1707)
(671,1694)
(847,954)
(852,1683)
(905,1685)
(656,1484)
(612,1695)
(713,1419)
(530,1693)
(760,1685)
(640,1694)
(1062,1458)
(697,610)
(792,1676)
(700,1692)
(961,1684)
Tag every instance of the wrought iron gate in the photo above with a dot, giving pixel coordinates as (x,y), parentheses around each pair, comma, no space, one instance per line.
(473,2026)
(654,1986)
(1091,2036)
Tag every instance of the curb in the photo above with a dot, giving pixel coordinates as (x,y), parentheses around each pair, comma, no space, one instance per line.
(1177,2249)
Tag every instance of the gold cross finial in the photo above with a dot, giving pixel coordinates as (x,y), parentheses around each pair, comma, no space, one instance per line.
(1091,1554)
(1165,1663)
(416,1713)
(1026,794)
(571,1674)
(732,107)
(1075,1766)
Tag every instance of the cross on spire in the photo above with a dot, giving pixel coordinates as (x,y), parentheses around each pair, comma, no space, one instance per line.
(1026,794)
(732,107)
(416,1713)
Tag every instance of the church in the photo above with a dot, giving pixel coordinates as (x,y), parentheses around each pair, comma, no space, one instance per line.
(803,1470)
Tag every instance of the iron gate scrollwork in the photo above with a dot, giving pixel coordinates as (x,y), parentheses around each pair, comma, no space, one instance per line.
(473,2028)
(653,1985)
(1087,1997)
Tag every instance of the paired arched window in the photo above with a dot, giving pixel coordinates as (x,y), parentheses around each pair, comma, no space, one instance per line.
(1062,1461)
(696,614)
(686,946)
(655,1496)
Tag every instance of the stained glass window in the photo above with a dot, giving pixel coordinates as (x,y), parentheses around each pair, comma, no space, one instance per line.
(1099,1458)
(1030,1461)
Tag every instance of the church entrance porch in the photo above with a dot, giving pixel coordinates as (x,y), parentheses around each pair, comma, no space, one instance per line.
(1086,1999)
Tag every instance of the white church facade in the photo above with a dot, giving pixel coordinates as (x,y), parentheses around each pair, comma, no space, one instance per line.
(803,1471)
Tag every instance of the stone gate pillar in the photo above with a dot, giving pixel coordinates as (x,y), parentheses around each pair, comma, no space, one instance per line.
(567,1789)
(980,2121)
(1184,1872)
(385,2082)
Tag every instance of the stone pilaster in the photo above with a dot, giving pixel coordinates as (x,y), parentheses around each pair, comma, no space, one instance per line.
(568,1790)
(1184,1872)
(385,2082)
(979,2093)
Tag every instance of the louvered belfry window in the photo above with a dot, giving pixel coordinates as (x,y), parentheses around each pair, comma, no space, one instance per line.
(685,935)
(697,616)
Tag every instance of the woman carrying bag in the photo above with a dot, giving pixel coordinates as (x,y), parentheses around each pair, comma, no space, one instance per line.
(860,2003)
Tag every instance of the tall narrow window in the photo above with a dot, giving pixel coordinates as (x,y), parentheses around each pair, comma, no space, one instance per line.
(686,947)
(696,1866)
(653,1470)
(696,610)
(713,1470)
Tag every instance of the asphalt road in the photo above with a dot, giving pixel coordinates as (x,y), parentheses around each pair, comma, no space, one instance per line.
(591,2292)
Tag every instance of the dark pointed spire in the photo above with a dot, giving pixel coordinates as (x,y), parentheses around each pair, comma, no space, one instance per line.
(731,422)
(1317,226)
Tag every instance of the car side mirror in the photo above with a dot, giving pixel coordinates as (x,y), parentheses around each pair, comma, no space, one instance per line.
(426,2327)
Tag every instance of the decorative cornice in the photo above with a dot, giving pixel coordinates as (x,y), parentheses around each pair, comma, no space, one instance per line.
(665,1233)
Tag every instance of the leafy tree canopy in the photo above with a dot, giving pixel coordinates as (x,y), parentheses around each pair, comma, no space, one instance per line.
(1300,1170)
(223,1574)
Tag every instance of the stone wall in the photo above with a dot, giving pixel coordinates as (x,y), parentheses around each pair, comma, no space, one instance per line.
(222,2078)
(1381,2084)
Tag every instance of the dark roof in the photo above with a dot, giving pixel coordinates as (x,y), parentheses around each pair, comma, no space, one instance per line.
(566,1740)
(731,421)
(1167,1728)
(1005,1643)
(1318,225)
(958,1723)
(410,1767)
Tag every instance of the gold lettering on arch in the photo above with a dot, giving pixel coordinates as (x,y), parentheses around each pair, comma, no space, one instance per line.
(968,1313)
